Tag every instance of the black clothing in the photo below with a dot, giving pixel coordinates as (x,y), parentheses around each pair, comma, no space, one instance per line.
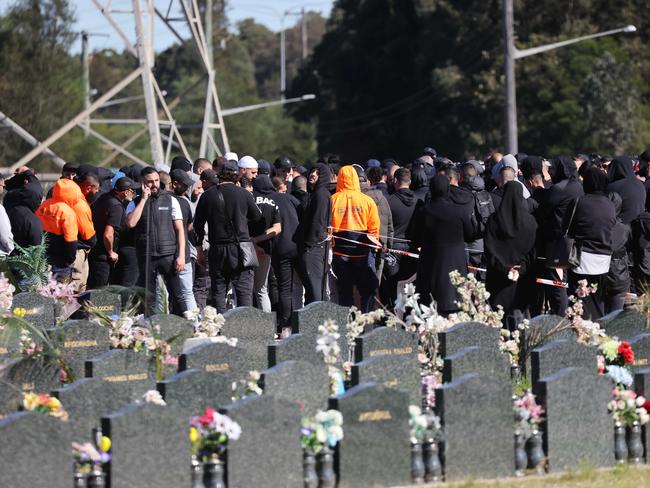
(286,244)
(164,266)
(162,236)
(302,197)
(559,198)
(240,208)
(593,222)
(351,272)
(24,195)
(107,210)
(264,193)
(402,205)
(313,271)
(422,193)
(641,250)
(188,218)
(625,183)
(383,187)
(226,273)
(317,215)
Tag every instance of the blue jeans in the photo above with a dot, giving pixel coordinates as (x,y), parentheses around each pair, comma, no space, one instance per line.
(186,285)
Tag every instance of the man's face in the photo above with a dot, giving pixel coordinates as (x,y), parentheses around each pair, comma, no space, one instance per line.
(313,177)
(152,181)
(179,188)
(2,185)
(250,173)
(284,173)
(89,189)
(126,195)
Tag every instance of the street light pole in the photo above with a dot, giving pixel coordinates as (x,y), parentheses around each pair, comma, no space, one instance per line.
(283,69)
(511,53)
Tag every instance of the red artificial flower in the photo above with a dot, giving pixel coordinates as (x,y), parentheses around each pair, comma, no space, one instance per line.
(207,416)
(625,351)
(646,405)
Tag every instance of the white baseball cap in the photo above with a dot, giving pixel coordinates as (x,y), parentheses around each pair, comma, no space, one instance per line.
(247,162)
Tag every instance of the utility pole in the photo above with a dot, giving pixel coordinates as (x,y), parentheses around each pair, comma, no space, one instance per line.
(283,69)
(209,38)
(509,71)
(85,76)
(303,32)
(145,56)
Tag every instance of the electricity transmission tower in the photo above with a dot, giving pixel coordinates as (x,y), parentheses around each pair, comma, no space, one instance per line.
(158,121)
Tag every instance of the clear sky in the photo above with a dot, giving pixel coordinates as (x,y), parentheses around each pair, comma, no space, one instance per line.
(268,12)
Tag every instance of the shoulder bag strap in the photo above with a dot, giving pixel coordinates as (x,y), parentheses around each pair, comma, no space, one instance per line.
(573,212)
(222,201)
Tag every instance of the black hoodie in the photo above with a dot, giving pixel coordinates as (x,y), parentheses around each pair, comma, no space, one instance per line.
(624,182)
(23,197)
(264,194)
(316,218)
(402,205)
(560,197)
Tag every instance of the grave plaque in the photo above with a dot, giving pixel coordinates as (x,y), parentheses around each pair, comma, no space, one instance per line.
(475,359)
(391,371)
(559,354)
(300,382)
(542,330)
(87,400)
(80,340)
(149,447)
(254,329)
(391,341)
(478,442)
(266,422)
(39,310)
(130,370)
(375,450)
(35,451)
(578,429)
(192,391)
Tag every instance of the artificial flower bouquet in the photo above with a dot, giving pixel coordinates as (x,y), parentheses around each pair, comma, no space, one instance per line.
(45,404)
(87,455)
(627,407)
(325,429)
(528,414)
(616,357)
(211,432)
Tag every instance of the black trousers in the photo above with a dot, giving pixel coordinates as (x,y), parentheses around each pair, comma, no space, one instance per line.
(225,272)
(283,269)
(100,271)
(201,285)
(313,271)
(165,267)
(351,272)
(127,270)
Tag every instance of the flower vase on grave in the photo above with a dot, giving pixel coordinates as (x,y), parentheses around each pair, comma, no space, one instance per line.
(634,444)
(535,451)
(417,464)
(521,458)
(620,444)
(79,480)
(97,478)
(213,472)
(196,473)
(432,466)
(309,476)
(325,468)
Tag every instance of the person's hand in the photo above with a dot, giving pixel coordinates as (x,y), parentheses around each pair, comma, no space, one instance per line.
(146,192)
(113,257)
(180,264)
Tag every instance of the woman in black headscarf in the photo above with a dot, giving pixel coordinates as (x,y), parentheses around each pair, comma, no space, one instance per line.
(440,229)
(510,251)
(419,183)
(591,227)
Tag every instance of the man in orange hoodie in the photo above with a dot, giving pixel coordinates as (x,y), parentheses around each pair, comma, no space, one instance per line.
(355,225)
(67,220)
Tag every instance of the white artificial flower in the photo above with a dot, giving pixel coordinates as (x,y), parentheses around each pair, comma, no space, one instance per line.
(321,434)
(336,432)
(640,401)
(153,396)
(321,416)
(414,410)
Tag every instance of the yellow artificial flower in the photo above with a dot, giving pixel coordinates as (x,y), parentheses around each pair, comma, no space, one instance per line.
(53,403)
(20,312)
(194,435)
(30,401)
(105,444)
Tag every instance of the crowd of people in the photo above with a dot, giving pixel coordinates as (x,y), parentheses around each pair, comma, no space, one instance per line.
(244,232)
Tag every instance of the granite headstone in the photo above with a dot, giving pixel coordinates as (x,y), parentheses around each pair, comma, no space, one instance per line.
(173,329)
(104,302)
(132,371)
(391,341)
(217,357)
(559,354)
(392,371)
(641,347)
(627,324)
(296,347)
(474,359)
(254,329)
(39,310)
(468,334)
(192,391)
(300,382)
(20,376)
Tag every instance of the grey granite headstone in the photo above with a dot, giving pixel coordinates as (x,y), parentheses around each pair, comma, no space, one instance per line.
(19,376)
(173,329)
(35,451)
(642,387)
(9,343)
(641,347)
(477,419)
(578,429)
(103,302)
(149,447)
(476,359)
(39,309)
(559,354)
(605,320)
(80,340)
(375,449)
(300,382)
(392,371)
(268,452)
(542,330)
(627,324)
(233,362)
(87,400)
(296,347)
(468,334)
(192,391)
(255,330)
(392,341)
(307,319)
(132,371)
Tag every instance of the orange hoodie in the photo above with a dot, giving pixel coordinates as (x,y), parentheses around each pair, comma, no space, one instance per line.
(67,213)
(352,211)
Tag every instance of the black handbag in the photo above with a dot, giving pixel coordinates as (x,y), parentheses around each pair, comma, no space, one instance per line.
(247,255)
(563,252)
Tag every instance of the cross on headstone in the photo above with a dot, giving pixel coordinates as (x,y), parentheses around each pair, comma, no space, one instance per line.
(477,419)
(149,447)
(265,421)
(375,448)
(300,382)
(578,429)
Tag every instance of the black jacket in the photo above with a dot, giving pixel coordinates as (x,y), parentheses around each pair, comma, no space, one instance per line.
(286,244)
(593,223)
(24,195)
(625,183)
(402,205)
(317,215)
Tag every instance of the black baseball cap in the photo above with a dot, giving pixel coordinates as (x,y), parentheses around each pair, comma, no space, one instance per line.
(70,168)
(125,183)
(210,176)
(181,176)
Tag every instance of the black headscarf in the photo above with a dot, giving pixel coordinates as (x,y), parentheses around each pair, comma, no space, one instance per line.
(564,168)
(262,185)
(594,181)
(439,188)
(510,232)
(621,167)
(530,166)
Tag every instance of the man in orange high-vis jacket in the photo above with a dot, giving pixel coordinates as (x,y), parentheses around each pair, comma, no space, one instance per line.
(355,226)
